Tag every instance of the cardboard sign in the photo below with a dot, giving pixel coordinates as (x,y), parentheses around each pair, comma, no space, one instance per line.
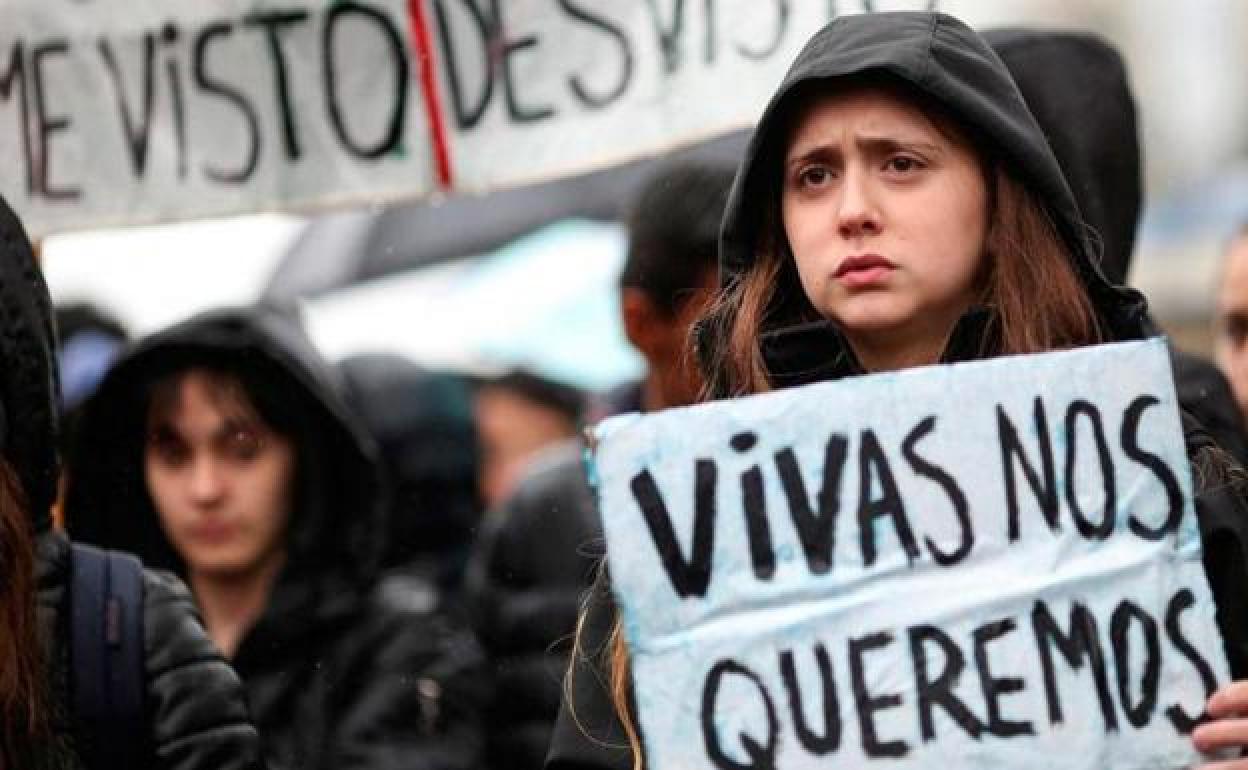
(132,111)
(992,564)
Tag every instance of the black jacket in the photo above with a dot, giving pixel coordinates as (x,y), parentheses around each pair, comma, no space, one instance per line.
(197,710)
(940,57)
(196,714)
(536,557)
(335,676)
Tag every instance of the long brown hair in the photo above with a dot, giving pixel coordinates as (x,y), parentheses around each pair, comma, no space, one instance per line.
(22,677)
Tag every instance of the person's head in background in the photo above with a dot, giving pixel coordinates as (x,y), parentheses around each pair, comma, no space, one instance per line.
(90,340)
(1231,317)
(1092,129)
(1094,133)
(518,415)
(219,463)
(670,273)
(219,449)
(423,424)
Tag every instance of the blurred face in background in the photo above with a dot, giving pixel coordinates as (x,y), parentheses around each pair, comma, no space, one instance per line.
(219,477)
(513,429)
(662,337)
(1231,321)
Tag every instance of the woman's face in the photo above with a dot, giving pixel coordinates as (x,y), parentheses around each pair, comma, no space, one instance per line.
(886,218)
(220,481)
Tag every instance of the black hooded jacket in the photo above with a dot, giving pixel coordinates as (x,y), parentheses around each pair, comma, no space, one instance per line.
(939,57)
(335,677)
(1092,130)
(196,712)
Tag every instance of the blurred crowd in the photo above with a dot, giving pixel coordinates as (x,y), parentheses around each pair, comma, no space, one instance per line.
(391,558)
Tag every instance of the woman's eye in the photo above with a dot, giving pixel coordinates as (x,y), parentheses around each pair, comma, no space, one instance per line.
(814,176)
(902,164)
(1235,329)
(244,445)
(169,452)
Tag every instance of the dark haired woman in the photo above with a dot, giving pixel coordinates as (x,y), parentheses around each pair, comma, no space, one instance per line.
(220,448)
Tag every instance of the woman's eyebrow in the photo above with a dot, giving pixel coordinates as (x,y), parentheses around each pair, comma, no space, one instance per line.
(231,425)
(813,152)
(880,145)
(871,145)
(162,431)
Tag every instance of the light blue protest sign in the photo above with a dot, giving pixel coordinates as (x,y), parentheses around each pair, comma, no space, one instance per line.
(992,564)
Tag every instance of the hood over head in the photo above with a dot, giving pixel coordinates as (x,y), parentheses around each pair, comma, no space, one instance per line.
(941,60)
(29,387)
(1092,128)
(335,526)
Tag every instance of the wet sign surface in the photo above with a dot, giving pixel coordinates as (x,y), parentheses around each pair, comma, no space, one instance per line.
(993,564)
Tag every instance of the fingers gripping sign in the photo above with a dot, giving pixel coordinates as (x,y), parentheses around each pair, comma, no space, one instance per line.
(1226,732)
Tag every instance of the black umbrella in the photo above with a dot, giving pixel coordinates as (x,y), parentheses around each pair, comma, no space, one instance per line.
(340,249)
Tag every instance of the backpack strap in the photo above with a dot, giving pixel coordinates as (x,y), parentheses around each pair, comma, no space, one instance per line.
(106,658)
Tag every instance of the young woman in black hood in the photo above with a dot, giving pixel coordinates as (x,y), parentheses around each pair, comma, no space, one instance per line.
(221,449)
(898,206)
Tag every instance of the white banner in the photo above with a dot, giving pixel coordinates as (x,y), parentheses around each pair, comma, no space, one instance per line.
(986,565)
(131,111)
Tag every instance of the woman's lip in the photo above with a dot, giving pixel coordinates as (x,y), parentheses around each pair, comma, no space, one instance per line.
(212,533)
(862,262)
(858,279)
(863,271)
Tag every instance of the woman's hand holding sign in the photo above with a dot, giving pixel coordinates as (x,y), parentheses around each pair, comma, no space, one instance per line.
(1228,708)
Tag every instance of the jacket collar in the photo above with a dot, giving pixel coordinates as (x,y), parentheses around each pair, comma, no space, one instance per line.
(817,351)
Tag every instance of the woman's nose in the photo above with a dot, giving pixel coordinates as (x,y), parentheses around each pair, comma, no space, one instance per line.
(206,484)
(857,214)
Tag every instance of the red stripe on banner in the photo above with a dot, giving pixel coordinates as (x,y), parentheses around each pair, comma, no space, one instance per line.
(425,62)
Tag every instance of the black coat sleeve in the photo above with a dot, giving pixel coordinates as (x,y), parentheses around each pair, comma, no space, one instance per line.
(195,701)
(1206,396)
(588,733)
(1222,513)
